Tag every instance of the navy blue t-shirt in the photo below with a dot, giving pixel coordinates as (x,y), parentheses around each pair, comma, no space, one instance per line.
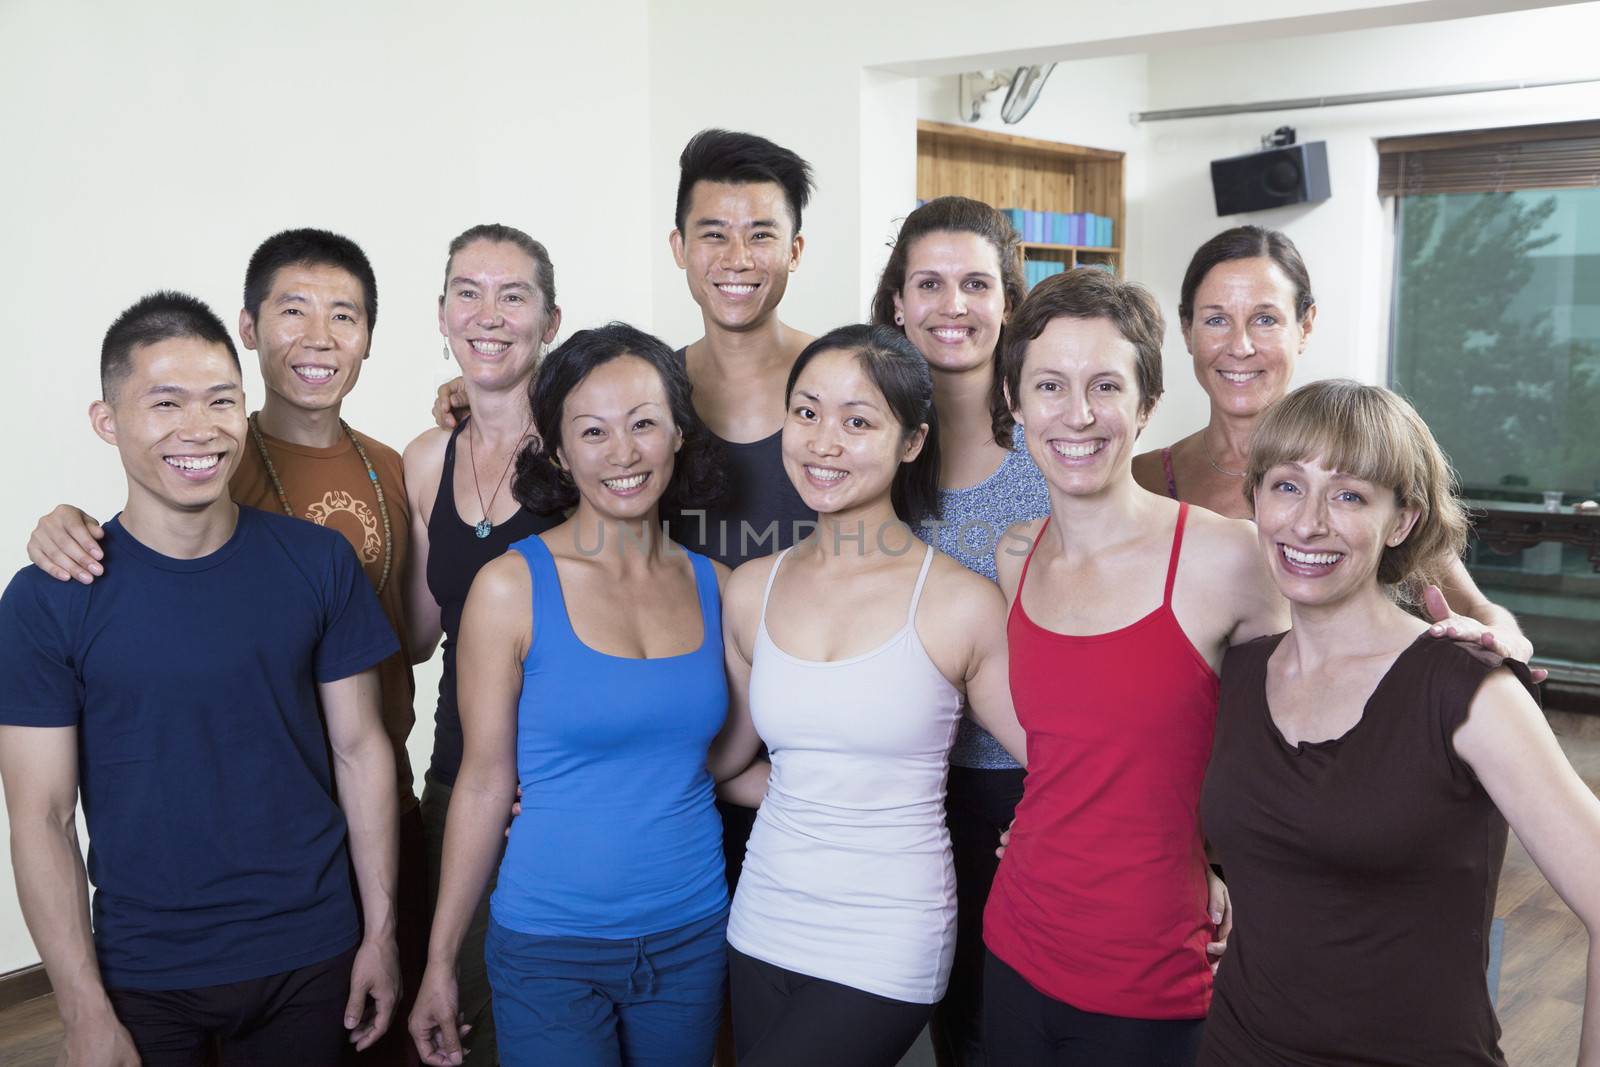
(216,848)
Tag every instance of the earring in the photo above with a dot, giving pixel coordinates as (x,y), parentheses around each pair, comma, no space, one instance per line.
(447,351)
(899,319)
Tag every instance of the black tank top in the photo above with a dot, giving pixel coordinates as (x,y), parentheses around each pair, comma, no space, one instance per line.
(455,554)
(759,512)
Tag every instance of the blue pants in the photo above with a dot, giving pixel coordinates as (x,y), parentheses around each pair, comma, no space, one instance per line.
(588,1002)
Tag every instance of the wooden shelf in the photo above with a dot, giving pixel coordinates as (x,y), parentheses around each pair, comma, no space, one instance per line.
(1044,247)
(1007,171)
(973,134)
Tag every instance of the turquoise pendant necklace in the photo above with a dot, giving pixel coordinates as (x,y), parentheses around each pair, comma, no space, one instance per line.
(484,526)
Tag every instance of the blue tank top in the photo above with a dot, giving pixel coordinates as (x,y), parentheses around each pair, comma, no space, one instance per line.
(618,837)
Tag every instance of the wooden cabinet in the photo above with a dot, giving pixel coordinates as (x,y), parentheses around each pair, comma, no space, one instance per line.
(1006,171)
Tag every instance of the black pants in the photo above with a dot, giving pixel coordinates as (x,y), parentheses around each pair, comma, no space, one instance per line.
(1025,1028)
(296,1017)
(979,805)
(784,1019)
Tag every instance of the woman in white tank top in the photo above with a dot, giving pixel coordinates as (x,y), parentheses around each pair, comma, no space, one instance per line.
(849,656)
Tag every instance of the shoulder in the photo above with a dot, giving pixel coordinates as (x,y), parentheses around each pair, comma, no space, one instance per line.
(952,584)
(425,454)
(320,554)
(32,594)
(504,580)
(377,451)
(1012,548)
(1150,472)
(742,590)
(1224,544)
(294,534)
(959,598)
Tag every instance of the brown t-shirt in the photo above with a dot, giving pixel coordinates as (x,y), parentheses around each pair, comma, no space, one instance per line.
(330,487)
(1362,871)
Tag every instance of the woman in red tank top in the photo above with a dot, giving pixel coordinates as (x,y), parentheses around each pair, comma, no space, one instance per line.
(1122,604)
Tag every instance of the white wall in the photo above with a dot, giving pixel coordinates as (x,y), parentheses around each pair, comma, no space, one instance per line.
(154,145)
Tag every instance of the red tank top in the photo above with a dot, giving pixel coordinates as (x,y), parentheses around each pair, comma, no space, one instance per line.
(1100,900)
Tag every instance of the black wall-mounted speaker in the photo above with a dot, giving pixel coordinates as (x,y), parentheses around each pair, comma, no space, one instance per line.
(1293,174)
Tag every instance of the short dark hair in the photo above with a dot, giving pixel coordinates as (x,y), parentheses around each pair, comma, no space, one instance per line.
(542,486)
(959,214)
(161,316)
(499,233)
(902,376)
(1091,293)
(314,248)
(740,159)
(1246,242)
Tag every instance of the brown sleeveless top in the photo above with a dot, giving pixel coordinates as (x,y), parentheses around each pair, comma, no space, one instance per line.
(1362,870)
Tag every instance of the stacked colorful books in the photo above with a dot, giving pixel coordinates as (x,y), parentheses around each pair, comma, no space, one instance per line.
(1037,270)
(1084,229)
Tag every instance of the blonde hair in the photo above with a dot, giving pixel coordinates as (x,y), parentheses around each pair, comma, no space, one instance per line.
(1370,433)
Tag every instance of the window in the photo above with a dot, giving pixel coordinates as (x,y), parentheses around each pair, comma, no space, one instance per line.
(1496,340)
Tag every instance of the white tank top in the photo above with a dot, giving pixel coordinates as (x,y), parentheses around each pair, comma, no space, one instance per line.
(848,874)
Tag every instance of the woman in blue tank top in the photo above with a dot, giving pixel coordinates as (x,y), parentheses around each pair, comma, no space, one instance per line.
(590,673)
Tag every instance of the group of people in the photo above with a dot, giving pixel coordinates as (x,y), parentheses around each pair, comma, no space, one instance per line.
(833,687)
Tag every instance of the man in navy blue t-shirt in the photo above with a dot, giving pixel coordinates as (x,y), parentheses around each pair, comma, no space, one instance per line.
(193,696)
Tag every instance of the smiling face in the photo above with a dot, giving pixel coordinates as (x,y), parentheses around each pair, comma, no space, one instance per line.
(618,440)
(737,250)
(493,314)
(177,419)
(1244,338)
(1324,532)
(1078,403)
(311,334)
(953,304)
(842,444)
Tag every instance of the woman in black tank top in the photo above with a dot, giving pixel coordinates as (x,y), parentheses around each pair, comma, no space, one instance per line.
(497,311)
(455,554)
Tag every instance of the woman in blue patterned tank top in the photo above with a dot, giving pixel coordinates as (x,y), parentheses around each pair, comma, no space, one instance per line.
(950,284)
(591,674)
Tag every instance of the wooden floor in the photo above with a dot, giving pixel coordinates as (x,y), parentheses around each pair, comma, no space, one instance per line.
(1541,976)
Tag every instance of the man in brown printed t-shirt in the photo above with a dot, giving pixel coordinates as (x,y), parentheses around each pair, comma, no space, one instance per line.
(310,302)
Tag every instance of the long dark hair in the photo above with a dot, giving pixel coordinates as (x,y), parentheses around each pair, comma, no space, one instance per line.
(902,376)
(541,485)
(959,214)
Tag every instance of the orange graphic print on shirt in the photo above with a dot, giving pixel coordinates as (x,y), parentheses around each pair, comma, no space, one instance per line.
(339,502)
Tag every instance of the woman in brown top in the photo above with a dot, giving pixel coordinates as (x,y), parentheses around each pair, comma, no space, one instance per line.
(1363,775)
(1247,313)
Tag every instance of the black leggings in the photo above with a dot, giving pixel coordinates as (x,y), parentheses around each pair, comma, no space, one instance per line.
(784,1019)
(1025,1028)
(979,804)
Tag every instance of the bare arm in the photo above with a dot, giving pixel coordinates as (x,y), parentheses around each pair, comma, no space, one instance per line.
(1260,608)
(424,462)
(989,672)
(1509,746)
(39,766)
(496,631)
(730,761)
(363,764)
(64,545)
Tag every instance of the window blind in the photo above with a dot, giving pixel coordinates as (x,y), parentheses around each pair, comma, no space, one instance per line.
(1562,155)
